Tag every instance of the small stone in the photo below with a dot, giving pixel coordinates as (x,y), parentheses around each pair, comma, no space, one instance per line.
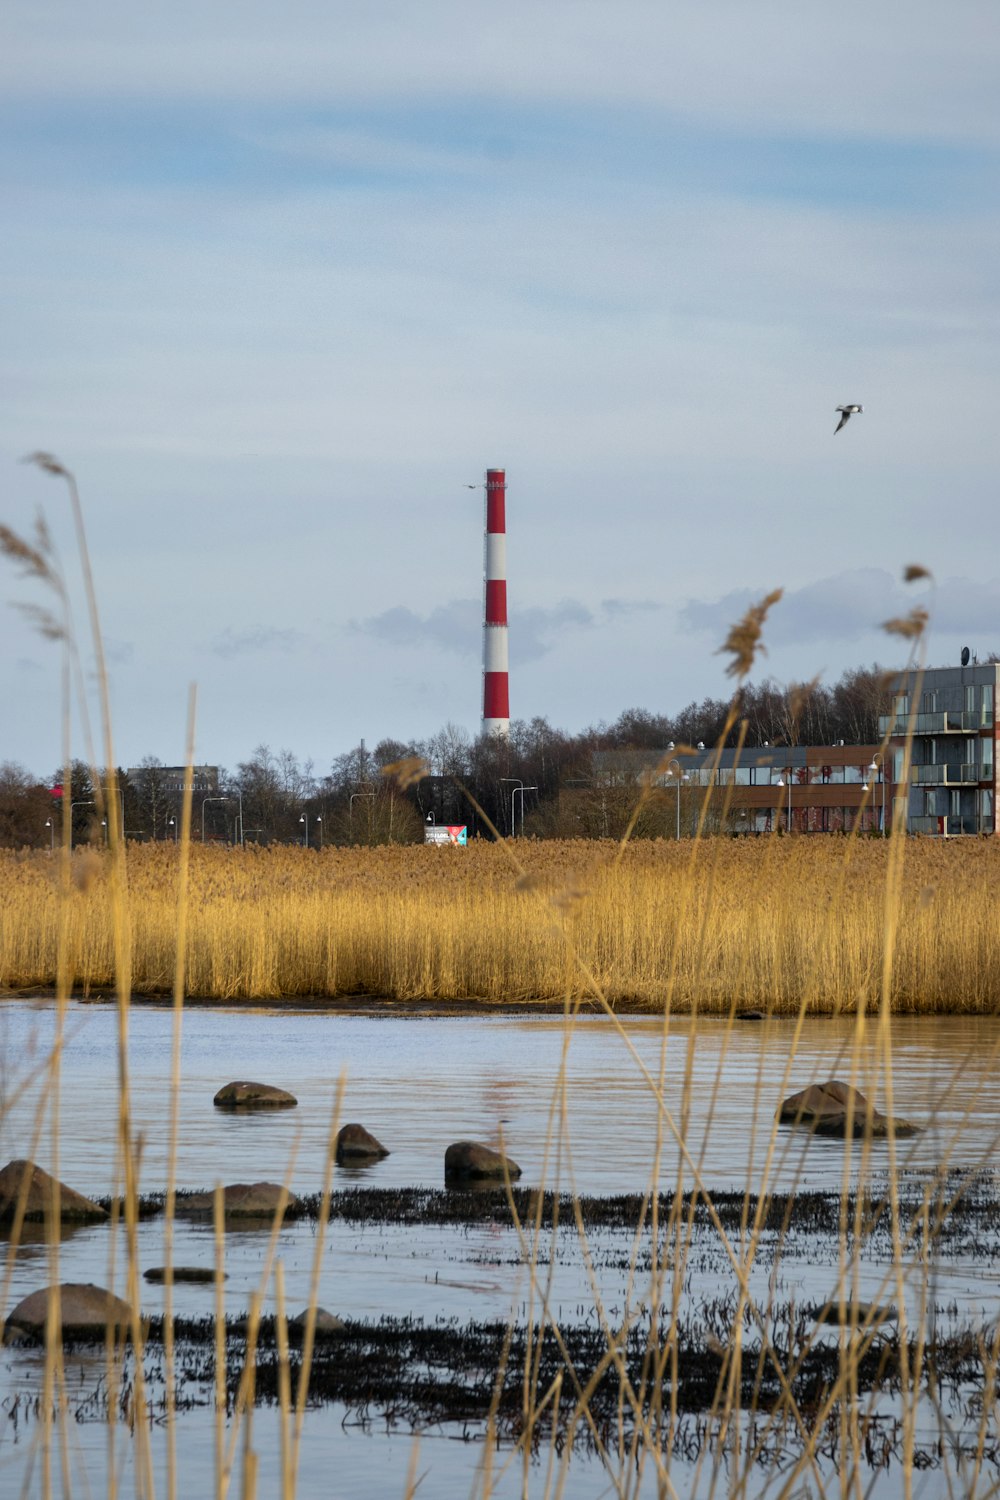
(856,1315)
(197,1274)
(471,1161)
(38,1202)
(244,1095)
(356,1145)
(327,1324)
(85,1309)
(246,1200)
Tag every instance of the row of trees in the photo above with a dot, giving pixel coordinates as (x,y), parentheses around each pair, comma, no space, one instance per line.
(485,783)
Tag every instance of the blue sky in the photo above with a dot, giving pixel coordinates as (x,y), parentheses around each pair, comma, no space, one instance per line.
(278,285)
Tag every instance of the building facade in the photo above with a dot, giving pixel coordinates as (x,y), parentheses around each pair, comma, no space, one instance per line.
(948,716)
(799,788)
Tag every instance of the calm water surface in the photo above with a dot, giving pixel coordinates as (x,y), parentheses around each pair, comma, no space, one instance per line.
(420,1083)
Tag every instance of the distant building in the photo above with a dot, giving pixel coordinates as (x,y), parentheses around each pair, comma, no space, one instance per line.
(950,714)
(170,779)
(807,788)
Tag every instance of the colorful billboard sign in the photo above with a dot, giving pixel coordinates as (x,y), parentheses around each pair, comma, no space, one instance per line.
(445,833)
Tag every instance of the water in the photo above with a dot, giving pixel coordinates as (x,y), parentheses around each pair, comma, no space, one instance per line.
(420,1083)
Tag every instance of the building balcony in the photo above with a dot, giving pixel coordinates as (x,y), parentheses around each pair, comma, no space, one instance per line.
(948,721)
(947,827)
(964,775)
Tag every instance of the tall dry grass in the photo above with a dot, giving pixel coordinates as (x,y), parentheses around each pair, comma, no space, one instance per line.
(765,923)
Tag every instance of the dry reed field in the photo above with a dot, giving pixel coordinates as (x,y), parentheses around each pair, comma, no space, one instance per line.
(775,924)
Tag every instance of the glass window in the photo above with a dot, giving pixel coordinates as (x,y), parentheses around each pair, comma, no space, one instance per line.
(855,775)
(986,756)
(741,776)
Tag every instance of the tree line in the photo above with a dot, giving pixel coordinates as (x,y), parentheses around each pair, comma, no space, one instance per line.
(540,778)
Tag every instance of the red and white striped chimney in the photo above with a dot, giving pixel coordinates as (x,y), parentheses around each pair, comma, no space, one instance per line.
(496,696)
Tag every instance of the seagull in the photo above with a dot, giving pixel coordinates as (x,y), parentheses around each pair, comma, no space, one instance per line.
(846,413)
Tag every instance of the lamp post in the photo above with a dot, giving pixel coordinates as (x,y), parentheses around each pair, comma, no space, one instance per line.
(679,776)
(319,820)
(873,770)
(52,834)
(522,789)
(786,776)
(517,783)
(172,823)
(304,818)
(84,802)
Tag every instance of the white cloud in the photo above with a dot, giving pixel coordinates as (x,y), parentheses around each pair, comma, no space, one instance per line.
(457,626)
(852,69)
(256,640)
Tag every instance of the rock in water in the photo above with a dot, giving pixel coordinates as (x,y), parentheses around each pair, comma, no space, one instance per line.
(327,1324)
(85,1309)
(824,1108)
(256,1200)
(356,1145)
(38,1200)
(471,1161)
(243,1095)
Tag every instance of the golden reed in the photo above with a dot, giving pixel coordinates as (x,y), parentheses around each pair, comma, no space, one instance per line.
(766,923)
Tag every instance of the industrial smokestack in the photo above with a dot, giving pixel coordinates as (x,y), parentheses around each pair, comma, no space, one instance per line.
(496,695)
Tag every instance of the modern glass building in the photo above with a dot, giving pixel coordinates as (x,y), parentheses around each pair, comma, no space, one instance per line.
(947,715)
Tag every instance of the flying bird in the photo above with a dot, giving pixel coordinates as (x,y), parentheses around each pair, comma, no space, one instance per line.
(846,413)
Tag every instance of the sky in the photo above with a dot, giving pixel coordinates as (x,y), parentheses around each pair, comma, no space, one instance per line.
(279,283)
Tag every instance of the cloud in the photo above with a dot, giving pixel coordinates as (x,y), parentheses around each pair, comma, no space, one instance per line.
(839,608)
(852,604)
(259,638)
(457,626)
(849,69)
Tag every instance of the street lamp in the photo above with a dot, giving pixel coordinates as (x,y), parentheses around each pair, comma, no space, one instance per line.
(205,800)
(172,823)
(522,789)
(517,783)
(786,775)
(873,770)
(304,818)
(52,834)
(678,776)
(319,820)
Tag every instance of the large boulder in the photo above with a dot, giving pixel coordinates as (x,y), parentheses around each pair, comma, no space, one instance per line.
(86,1310)
(241,1094)
(356,1145)
(833,1108)
(471,1161)
(38,1195)
(241,1200)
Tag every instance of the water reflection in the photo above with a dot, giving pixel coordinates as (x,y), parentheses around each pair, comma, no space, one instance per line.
(420,1085)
